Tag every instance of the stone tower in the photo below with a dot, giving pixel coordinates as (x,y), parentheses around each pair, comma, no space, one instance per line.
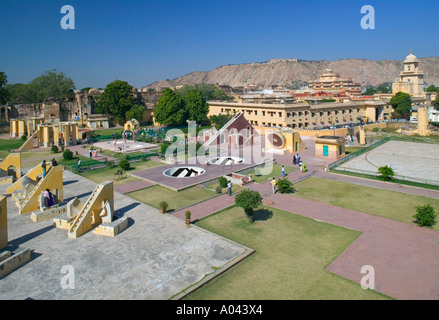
(411,79)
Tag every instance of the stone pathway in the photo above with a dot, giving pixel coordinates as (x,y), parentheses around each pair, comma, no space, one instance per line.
(206,208)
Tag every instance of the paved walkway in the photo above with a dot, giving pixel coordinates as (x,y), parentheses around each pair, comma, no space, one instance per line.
(206,208)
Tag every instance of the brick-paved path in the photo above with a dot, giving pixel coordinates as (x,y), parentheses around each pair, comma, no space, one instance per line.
(206,208)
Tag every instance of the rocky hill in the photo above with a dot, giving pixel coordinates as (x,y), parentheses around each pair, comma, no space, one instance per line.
(296,73)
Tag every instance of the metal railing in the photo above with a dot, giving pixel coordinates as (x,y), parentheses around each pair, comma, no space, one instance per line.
(396,177)
(356,154)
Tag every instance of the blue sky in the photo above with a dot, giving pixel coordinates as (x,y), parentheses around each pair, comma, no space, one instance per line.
(146,41)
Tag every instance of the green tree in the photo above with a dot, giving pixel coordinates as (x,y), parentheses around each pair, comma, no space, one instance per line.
(208,91)
(51,84)
(116,100)
(248,200)
(170,109)
(436,102)
(3,91)
(425,216)
(369,91)
(196,106)
(21,93)
(432,88)
(136,112)
(402,104)
(285,186)
(220,120)
(386,173)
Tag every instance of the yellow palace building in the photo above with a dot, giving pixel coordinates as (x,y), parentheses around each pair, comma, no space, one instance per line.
(305,115)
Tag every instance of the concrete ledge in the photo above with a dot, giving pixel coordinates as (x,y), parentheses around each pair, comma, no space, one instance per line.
(16,260)
(54,212)
(112,229)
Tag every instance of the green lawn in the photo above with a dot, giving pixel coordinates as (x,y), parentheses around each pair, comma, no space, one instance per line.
(107,174)
(388,204)
(268,173)
(9,144)
(291,255)
(154,195)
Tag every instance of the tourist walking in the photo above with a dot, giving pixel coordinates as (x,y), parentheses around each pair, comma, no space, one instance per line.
(294,159)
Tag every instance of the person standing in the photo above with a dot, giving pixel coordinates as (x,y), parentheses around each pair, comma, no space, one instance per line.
(273,185)
(90,152)
(283,171)
(78,164)
(229,187)
(294,159)
(43,165)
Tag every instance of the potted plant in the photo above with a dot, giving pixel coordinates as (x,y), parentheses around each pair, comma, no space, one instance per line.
(163,206)
(188,217)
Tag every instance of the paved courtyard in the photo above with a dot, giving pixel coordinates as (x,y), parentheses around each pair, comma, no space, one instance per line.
(409,159)
(156,257)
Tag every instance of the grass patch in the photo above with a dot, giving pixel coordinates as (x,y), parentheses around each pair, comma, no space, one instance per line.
(275,172)
(106,174)
(384,203)
(291,254)
(154,195)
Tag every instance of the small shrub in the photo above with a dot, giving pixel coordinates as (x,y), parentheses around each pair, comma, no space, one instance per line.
(67,154)
(54,149)
(188,215)
(376,129)
(109,164)
(248,200)
(386,173)
(219,190)
(124,164)
(163,206)
(24,137)
(222,182)
(285,186)
(425,216)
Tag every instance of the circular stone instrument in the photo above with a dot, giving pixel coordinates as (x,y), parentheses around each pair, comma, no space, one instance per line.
(184,172)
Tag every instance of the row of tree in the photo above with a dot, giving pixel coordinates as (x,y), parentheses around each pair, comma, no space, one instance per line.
(51,84)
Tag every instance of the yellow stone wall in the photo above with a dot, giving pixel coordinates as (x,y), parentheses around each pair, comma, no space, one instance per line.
(13,159)
(3,223)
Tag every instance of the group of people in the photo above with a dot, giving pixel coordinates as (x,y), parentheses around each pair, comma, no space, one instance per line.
(93,153)
(298,161)
(44,165)
(47,199)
